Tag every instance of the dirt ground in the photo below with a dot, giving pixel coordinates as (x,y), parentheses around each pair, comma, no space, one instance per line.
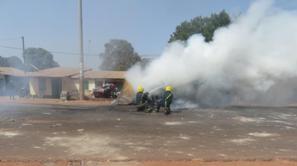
(39,101)
(150,163)
(49,134)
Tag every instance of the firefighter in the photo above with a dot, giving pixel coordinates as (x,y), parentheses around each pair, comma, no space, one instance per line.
(140,99)
(139,94)
(146,103)
(167,99)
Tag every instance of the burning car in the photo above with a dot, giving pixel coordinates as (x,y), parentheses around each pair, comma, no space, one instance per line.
(108,90)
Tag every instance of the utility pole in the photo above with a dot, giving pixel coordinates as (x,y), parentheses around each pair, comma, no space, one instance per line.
(27,80)
(23,48)
(81,78)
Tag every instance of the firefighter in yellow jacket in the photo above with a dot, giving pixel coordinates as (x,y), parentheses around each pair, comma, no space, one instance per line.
(139,95)
(167,99)
(142,99)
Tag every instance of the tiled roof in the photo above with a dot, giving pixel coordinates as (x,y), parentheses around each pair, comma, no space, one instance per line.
(11,71)
(56,72)
(103,75)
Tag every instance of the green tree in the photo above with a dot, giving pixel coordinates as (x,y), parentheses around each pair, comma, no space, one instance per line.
(12,61)
(119,55)
(15,62)
(38,58)
(201,25)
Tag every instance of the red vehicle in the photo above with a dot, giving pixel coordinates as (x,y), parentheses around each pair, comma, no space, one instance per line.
(106,91)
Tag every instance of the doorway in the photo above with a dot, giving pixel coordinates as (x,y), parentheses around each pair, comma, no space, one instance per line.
(56,87)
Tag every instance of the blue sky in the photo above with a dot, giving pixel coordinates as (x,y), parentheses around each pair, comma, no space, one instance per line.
(147,24)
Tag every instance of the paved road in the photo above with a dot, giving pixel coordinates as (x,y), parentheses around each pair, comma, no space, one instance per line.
(121,134)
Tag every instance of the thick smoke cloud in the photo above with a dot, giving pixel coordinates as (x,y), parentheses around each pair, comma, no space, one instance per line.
(253,60)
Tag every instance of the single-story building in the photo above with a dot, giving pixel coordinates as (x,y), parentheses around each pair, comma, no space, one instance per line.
(49,83)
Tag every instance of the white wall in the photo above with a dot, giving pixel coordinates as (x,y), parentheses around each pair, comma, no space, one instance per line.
(34,87)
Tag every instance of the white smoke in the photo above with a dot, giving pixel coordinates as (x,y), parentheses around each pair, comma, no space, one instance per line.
(243,61)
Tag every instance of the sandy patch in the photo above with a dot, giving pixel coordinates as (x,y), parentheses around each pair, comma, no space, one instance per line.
(184,137)
(173,123)
(246,120)
(242,141)
(285,116)
(263,134)
(193,122)
(46,113)
(151,163)
(9,134)
(26,124)
(80,130)
(85,145)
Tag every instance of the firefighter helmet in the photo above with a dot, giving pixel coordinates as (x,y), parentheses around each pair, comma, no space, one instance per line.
(169,88)
(140,89)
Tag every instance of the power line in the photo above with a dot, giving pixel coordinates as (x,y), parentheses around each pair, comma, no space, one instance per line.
(70,53)
(9,39)
(52,51)
(2,55)
(62,52)
(9,47)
